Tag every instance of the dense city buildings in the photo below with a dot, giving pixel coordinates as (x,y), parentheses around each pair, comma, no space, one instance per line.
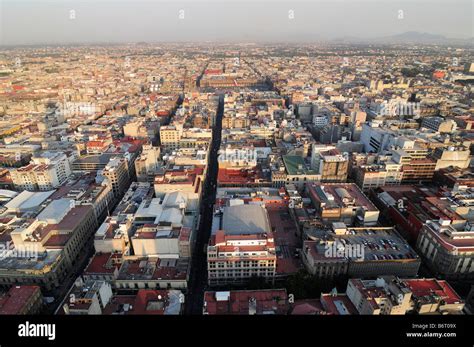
(395,296)
(236,179)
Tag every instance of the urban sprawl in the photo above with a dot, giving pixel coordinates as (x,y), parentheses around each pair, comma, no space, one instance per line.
(329,179)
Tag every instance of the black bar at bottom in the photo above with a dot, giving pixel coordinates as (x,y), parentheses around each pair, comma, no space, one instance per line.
(252,330)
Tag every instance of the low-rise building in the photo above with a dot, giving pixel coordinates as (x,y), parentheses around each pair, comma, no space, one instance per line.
(146,302)
(333,166)
(383,296)
(295,171)
(388,295)
(342,202)
(357,252)
(183,179)
(246,302)
(45,249)
(86,298)
(438,124)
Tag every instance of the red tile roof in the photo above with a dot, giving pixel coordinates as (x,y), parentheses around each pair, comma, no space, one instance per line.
(103,263)
(238,304)
(16,298)
(426,287)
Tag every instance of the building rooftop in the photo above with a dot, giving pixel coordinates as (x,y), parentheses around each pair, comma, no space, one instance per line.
(15,299)
(154,269)
(451,239)
(144,302)
(103,263)
(426,287)
(42,262)
(56,211)
(245,302)
(307,307)
(242,176)
(374,244)
(27,200)
(335,195)
(337,304)
(245,219)
(295,165)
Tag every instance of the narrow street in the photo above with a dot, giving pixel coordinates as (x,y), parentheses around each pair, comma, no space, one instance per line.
(198,275)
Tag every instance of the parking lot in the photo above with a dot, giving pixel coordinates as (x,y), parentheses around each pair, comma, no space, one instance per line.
(379,244)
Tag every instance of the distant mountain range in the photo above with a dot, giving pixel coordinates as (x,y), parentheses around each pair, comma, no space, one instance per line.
(417,37)
(411,37)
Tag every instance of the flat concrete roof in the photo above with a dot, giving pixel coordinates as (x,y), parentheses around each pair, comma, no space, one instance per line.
(245,219)
(55,211)
(27,200)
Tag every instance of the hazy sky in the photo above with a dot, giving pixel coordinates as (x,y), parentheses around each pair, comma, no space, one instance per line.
(49,21)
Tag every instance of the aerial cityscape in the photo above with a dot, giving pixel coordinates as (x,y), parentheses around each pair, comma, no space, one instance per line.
(236,177)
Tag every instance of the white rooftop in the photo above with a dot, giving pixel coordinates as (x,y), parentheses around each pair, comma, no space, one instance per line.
(8,193)
(245,219)
(55,211)
(27,200)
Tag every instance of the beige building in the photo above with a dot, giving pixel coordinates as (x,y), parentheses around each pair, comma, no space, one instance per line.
(145,130)
(293,169)
(190,156)
(45,172)
(333,166)
(170,136)
(357,252)
(116,172)
(51,245)
(383,296)
(389,295)
(342,202)
(148,163)
(319,265)
(87,298)
(232,122)
(381,85)
(446,250)
(180,179)
(452,156)
(233,258)
(378,175)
